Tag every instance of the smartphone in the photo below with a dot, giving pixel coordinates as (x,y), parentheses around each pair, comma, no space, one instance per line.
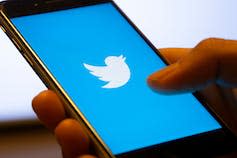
(97,61)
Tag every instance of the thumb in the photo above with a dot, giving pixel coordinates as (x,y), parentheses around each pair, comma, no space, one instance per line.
(211,61)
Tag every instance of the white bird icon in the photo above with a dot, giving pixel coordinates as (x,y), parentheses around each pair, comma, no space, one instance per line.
(116,72)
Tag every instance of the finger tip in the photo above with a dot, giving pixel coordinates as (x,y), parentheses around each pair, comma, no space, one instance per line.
(153,81)
(87,156)
(48,108)
(41,97)
(164,80)
(158,85)
(44,101)
(70,128)
(72,138)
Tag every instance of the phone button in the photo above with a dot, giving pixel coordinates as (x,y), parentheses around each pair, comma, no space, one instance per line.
(28,59)
(2,28)
(16,44)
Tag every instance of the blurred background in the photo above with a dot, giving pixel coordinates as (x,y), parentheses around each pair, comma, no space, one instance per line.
(167,23)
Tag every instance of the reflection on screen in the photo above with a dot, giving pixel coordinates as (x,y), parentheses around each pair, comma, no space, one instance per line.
(102,63)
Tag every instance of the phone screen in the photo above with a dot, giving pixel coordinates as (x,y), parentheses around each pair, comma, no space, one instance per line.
(102,63)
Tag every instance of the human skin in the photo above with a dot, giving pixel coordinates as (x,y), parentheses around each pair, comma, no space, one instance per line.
(210,68)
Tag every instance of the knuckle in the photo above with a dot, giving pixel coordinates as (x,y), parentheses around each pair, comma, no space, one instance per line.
(208,43)
(210,46)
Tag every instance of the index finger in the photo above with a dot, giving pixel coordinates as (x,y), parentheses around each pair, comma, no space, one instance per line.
(211,61)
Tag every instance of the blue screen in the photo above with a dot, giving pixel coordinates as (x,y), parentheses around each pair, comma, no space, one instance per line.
(102,63)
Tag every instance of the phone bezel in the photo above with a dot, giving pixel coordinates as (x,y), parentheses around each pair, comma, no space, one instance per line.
(27,7)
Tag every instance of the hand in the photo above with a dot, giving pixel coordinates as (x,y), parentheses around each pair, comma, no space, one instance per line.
(211,61)
(211,67)
(71,136)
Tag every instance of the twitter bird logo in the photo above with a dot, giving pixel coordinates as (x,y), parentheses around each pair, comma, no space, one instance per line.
(116,72)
